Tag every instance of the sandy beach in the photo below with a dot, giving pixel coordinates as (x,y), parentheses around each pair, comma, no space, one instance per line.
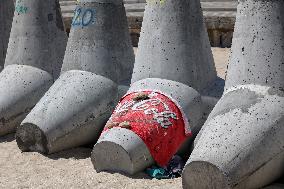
(73,168)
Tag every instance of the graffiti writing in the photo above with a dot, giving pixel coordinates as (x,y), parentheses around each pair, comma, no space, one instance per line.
(149,107)
(84,17)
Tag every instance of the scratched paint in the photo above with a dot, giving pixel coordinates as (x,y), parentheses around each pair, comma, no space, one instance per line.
(84,17)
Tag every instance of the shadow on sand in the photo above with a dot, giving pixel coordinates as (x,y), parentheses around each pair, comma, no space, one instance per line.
(140,175)
(74,153)
(78,153)
(84,153)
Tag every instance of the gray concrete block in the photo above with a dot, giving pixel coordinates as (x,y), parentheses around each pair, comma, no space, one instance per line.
(170,43)
(6,18)
(34,57)
(241,143)
(21,87)
(37,37)
(121,150)
(101,45)
(258,50)
(96,70)
(72,113)
(173,34)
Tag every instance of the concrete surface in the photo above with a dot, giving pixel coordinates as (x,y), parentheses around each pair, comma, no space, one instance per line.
(6,18)
(73,168)
(34,57)
(97,68)
(121,150)
(241,143)
(173,33)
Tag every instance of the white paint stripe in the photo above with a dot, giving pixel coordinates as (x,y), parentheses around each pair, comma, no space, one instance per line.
(259,89)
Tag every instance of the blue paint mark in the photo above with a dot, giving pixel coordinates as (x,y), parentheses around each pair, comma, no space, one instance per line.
(87,17)
(84,17)
(20,9)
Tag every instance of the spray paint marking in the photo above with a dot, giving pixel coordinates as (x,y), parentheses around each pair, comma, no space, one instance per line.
(20,9)
(84,17)
(152,2)
(156,118)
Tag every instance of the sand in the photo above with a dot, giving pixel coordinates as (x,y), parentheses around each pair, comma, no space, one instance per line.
(73,168)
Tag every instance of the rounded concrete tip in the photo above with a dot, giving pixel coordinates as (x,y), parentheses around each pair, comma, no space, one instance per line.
(203,175)
(30,137)
(121,150)
(118,161)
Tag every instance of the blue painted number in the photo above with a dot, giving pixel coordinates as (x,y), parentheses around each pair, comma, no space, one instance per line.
(84,17)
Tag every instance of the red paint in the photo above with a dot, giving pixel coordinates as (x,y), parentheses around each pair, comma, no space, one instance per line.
(163,134)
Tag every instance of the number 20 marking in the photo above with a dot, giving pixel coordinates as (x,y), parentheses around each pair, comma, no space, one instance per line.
(84,17)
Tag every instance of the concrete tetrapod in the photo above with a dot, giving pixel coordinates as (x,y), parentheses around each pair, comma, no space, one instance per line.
(97,67)
(169,97)
(6,18)
(34,56)
(241,143)
(129,153)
